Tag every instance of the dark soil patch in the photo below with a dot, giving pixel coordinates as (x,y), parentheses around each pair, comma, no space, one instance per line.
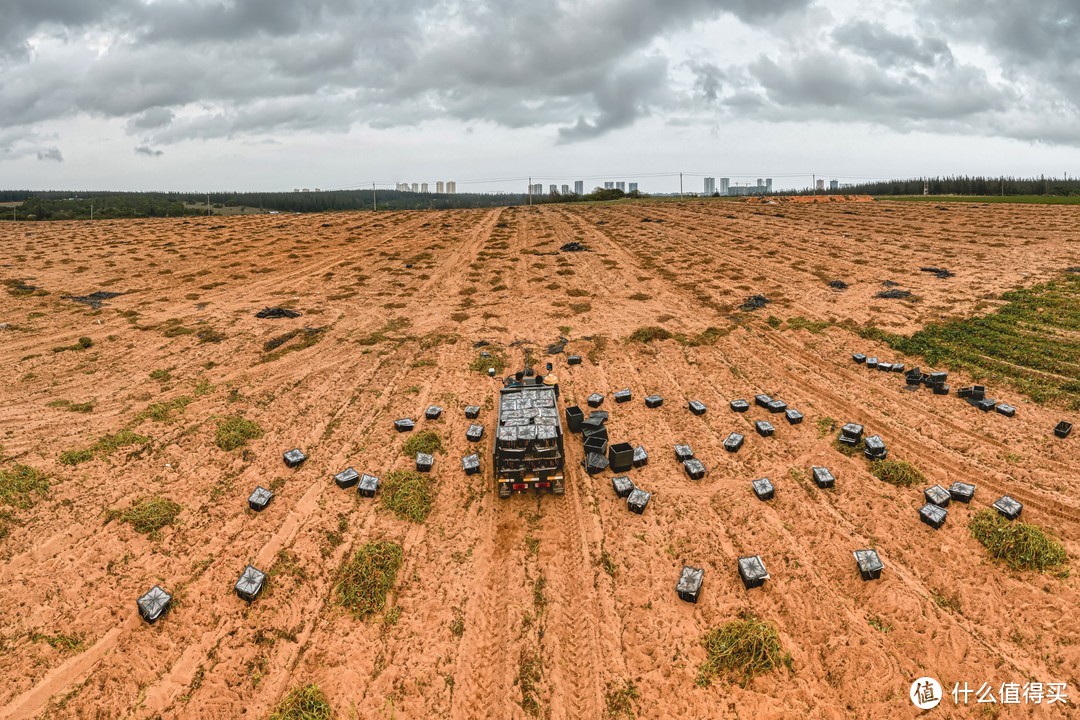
(937,272)
(95,299)
(755,302)
(894,294)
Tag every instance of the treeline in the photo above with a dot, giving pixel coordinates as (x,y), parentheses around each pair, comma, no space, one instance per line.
(332,200)
(969,185)
(103,208)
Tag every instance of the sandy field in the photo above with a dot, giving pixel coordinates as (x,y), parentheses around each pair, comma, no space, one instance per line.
(527,607)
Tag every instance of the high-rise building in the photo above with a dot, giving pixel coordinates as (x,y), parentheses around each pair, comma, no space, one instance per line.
(710,185)
(725,185)
(768,185)
(423,187)
(821,184)
(415,187)
(565,189)
(553,189)
(608,185)
(620,185)
(440,186)
(633,187)
(579,187)
(451,187)
(761,183)
(536,189)
(834,184)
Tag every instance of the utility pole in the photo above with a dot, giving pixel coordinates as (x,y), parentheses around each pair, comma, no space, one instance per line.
(91,212)
(813,183)
(530,191)
(207,204)
(374,199)
(680,187)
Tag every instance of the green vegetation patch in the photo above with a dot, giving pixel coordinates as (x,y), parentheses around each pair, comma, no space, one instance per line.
(620,699)
(303,703)
(163,411)
(424,441)
(650,333)
(497,360)
(1031,343)
(147,515)
(61,642)
(234,432)
(1021,545)
(382,335)
(105,446)
(369,576)
(299,339)
(19,484)
(408,494)
(82,344)
(800,323)
(741,650)
(85,407)
(897,472)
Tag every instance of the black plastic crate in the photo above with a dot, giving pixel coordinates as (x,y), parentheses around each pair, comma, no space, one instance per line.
(898,367)
(347,478)
(740,405)
(763,488)
(368,486)
(694,468)
(641,458)
(978,392)
(260,498)
(933,515)
(574,418)
(573,360)
(471,464)
(965,392)
(596,417)
(593,423)
(986,404)
(764,428)
(875,448)
(474,432)
(596,444)
(638,500)
(870,565)
(940,388)
(683,453)
(852,432)
(697,407)
(762,400)
(794,417)
(621,457)
(777,406)
(424,461)
(250,583)
(733,442)
(623,395)
(689,586)
(294,458)
(404,425)
(913,377)
(595,400)
(433,412)
(1006,410)
(885,367)
(472,411)
(1009,508)
(937,495)
(871,362)
(155,604)
(937,377)
(859,358)
(589,432)
(623,485)
(962,492)
(823,477)
(752,571)
(595,462)
(654,401)
(1062,429)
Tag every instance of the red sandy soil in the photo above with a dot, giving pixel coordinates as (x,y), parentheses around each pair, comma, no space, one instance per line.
(803,199)
(495,275)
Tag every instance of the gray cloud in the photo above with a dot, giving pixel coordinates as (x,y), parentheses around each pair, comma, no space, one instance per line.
(52,154)
(148,151)
(887,48)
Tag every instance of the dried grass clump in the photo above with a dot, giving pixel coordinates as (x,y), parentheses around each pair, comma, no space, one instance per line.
(1021,545)
(424,441)
(408,494)
(235,431)
(897,472)
(148,515)
(369,576)
(303,703)
(741,650)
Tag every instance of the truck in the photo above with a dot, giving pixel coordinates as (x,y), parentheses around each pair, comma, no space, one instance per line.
(529,452)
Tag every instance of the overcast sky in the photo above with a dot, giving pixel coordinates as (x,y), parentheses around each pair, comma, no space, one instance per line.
(277,94)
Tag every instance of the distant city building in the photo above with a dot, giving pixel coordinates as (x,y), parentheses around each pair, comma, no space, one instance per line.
(423,187)
(633,187)
(554,189)
(403,187)
(725,185)
(834,184)
(620,185)
(451,187)
(415,187)
(306,190)
(565,189)
(821,184)
(579,187)
(758,188)
(536,189)
(440,186)
(710,185)
(768,185)
(296,189)
(608,185)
